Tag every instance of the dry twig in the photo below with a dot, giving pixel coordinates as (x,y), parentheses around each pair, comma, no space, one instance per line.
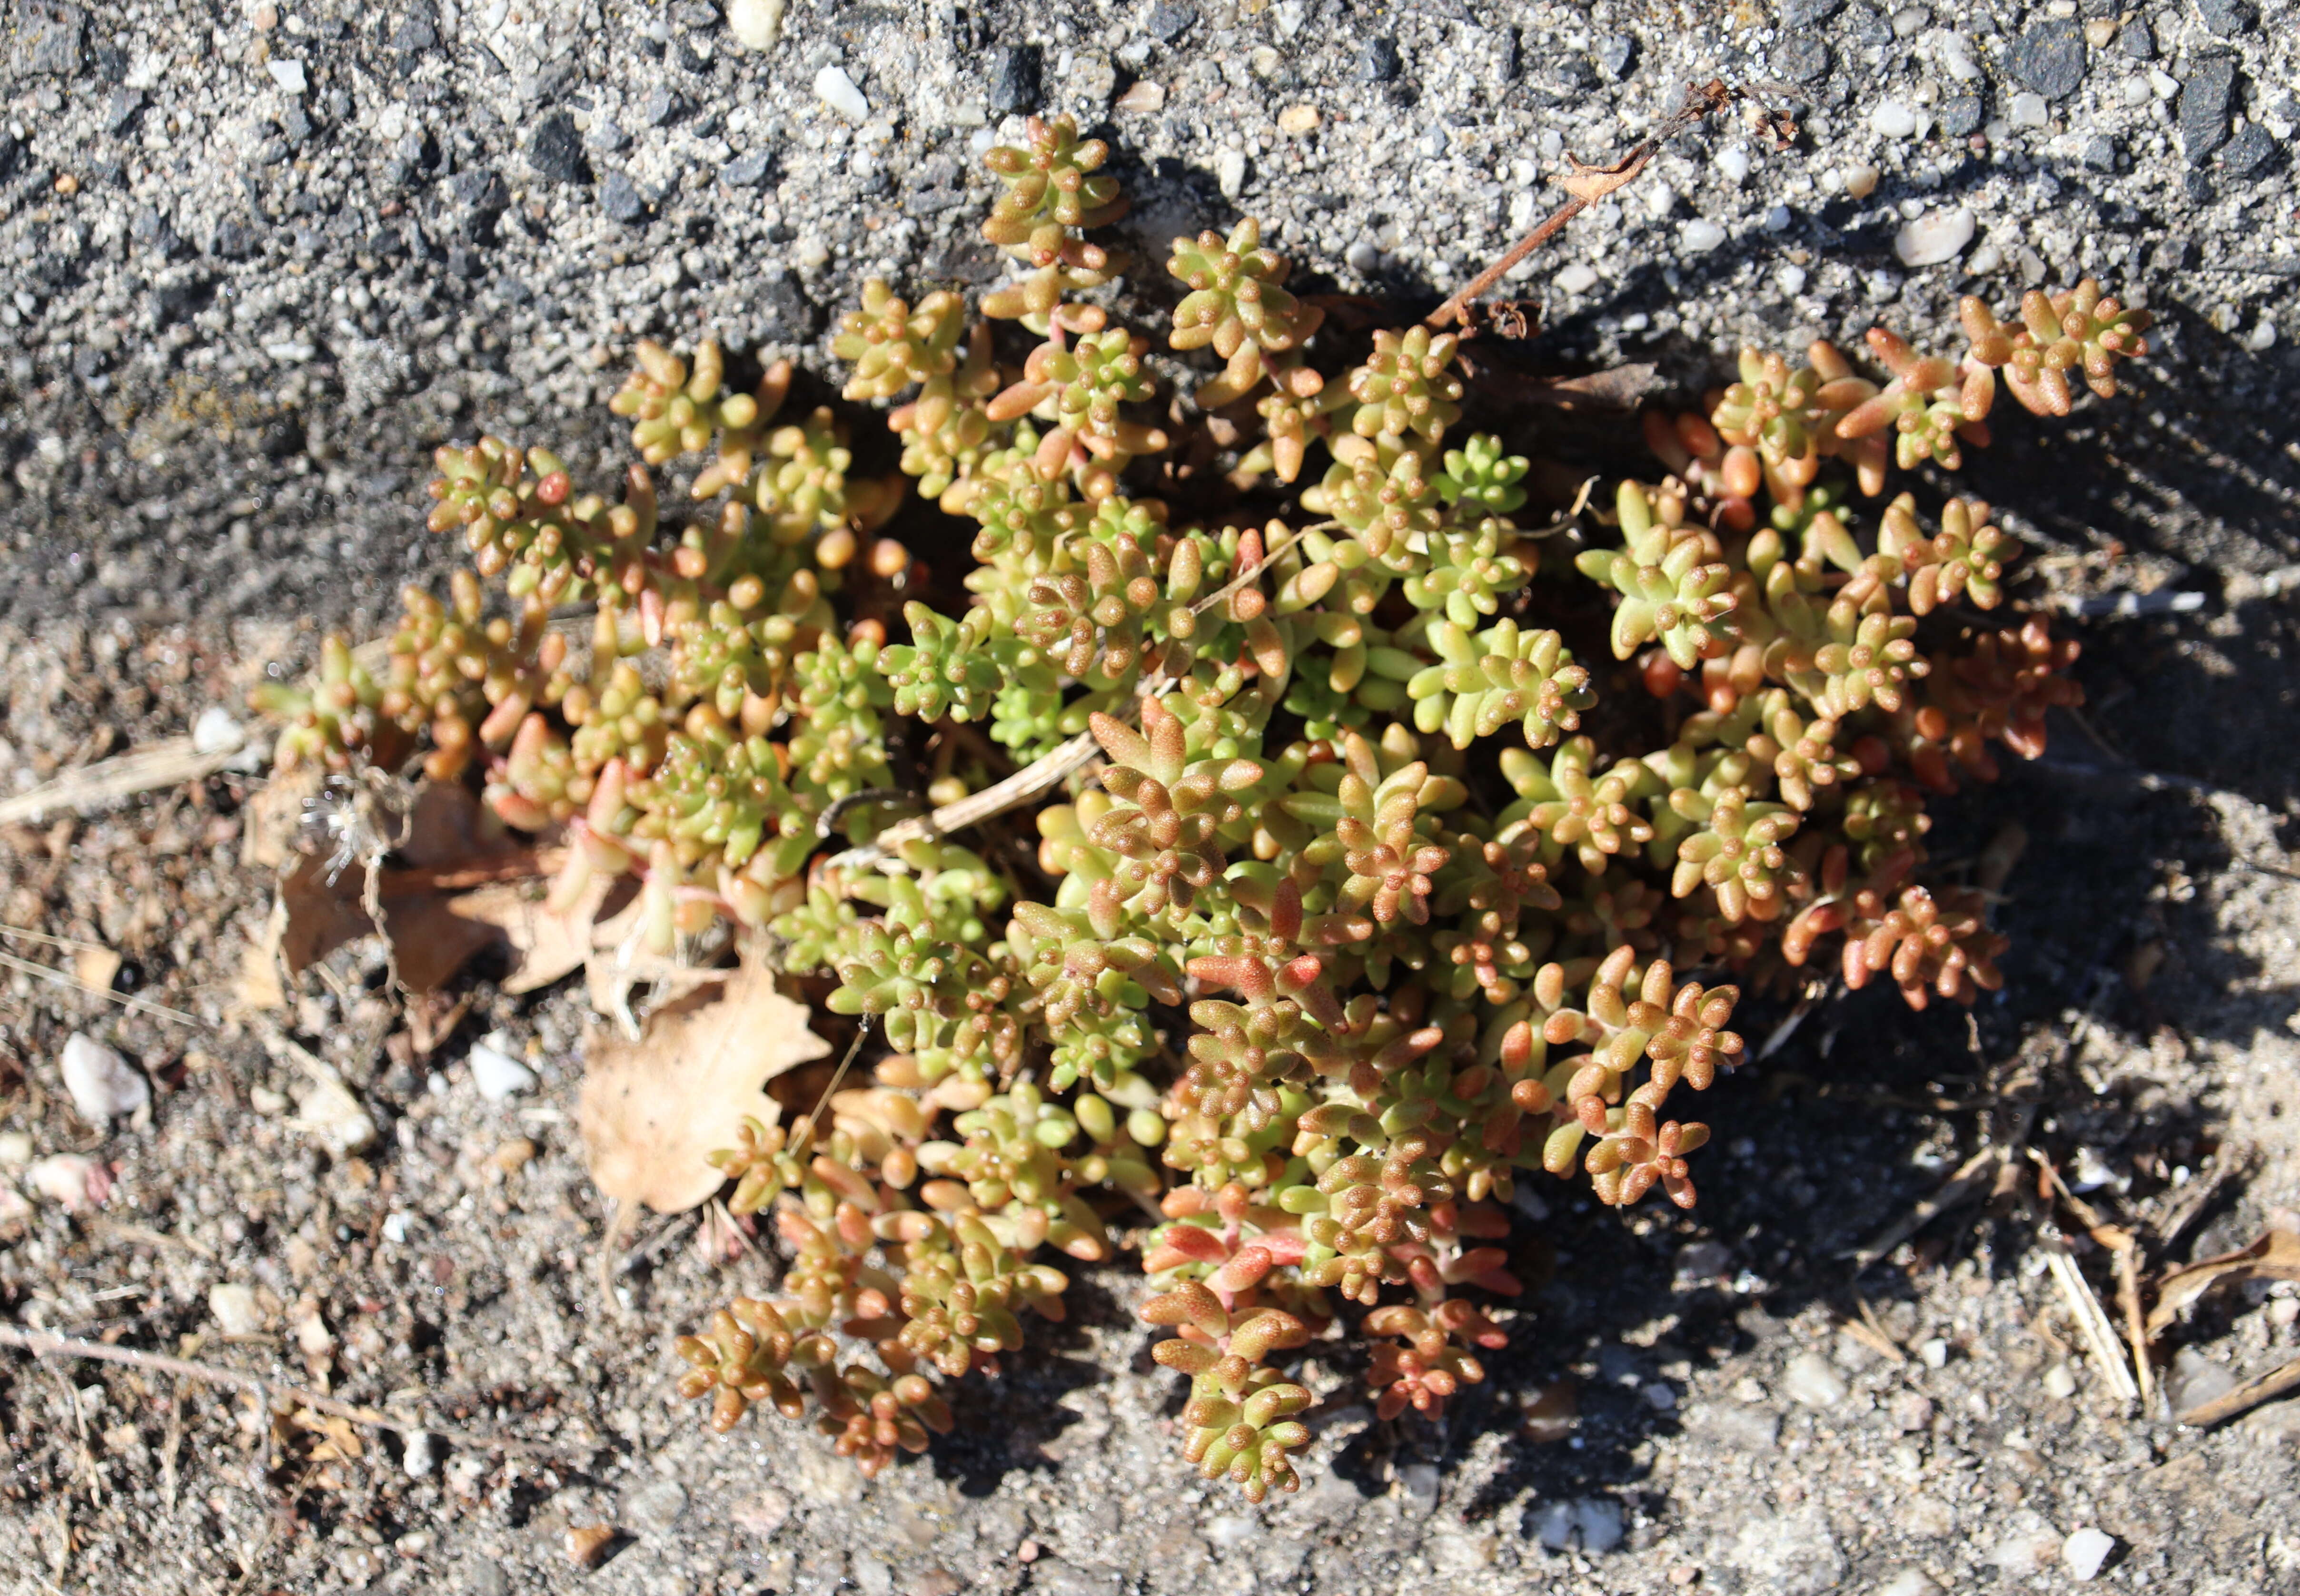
(1050,770)
(1587,185)
(1871,1335)
(2092,1321)
(164,764)
(41,1343)
(65,978)
(2245,1397)
(1975,1175)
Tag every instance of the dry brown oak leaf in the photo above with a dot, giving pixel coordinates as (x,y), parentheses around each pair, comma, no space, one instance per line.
(652,1110)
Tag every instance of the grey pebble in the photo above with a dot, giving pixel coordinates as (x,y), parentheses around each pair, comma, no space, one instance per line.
(1168,23)
(121,109)
(2203,109)
(2138,43)
(932,201)
(651,1509)
(2248,151)
(485,1577)
(414,34)
(1961,115)
(621,199)
(785,312)
(2099,153)
(1013,80)
(607,135)
(48,42)
(1743,1427)
(2049,58)
(232,240)
(1379,61)
(482,189)
(662,105)
(1804,13)
(1800,58)
(695,15)
(747,172)
(2225,18)
(1868,25)
(557,150)
(1616,54)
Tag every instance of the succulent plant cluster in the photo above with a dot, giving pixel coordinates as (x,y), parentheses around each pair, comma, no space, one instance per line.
(1429,851)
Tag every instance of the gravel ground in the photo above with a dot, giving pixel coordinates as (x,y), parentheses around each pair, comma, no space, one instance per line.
(254,260)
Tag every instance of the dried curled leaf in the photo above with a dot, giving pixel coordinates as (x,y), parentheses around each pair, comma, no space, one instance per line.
(652,1110)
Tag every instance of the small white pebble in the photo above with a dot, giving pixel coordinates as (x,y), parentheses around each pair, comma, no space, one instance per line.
(423,1454)
(287,74)
(1909,1581)
(1934,1352)
(756,24)
(328,1113)
(1985,260)
(1576,279)
(15,1149)
(2060,1382)
(497,1075)
(68,1178)
(2162,83)
(216,732)
(1861,181)
(1661,199)
(837,90)
(1812,1380)
(103,1085)
(2027,111)
(395,1228)
(1956,56)
(1893,119)
(1229,172)
(1932,240)
(1228,1530)
(2084,1552)
(810,252)
(1792,279)
(234,1310)
(1700,236)
(1734,164)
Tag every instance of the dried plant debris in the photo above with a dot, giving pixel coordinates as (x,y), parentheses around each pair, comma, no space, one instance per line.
(2275,1255)
(652,1111)
(1455,839)
(417,874)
